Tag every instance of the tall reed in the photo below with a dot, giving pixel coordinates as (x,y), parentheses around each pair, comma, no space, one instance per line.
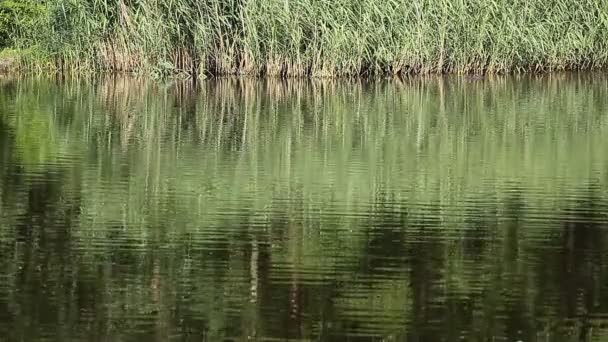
(317,38)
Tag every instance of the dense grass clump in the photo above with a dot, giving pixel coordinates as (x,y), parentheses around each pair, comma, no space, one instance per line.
(317,37)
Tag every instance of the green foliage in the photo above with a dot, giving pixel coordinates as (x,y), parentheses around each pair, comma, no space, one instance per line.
(5,30)
(319,38)
(18,18)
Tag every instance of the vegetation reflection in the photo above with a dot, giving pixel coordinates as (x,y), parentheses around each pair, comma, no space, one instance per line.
(427,208)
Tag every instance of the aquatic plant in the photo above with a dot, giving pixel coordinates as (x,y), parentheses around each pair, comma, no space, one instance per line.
(317,38)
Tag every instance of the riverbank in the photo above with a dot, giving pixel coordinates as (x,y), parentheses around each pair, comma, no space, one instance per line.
(8,61)
(302,38)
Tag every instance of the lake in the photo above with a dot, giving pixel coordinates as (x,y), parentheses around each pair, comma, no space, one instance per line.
(423,209)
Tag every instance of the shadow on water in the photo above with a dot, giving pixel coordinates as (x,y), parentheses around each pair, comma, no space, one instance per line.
(420,210)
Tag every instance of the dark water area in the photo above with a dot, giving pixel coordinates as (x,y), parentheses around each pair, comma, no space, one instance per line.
(438,209)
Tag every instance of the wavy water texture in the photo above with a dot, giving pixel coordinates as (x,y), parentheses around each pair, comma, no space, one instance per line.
(308,210)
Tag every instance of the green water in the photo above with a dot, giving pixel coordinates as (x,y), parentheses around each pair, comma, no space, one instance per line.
(436,209)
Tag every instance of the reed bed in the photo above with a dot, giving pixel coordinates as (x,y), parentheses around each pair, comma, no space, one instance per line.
(296,38)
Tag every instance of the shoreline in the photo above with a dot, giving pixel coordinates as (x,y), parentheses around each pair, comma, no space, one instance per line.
(10,66)
(7,65)
(16,62)
(8,61)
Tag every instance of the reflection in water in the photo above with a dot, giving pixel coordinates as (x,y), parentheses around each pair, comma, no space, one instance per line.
(421,210)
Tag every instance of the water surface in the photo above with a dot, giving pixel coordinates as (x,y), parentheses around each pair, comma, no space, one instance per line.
(420,210)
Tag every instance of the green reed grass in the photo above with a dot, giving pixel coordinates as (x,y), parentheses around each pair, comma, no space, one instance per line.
(317,38)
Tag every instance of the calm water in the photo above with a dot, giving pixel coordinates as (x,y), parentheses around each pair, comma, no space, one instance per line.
(420,210)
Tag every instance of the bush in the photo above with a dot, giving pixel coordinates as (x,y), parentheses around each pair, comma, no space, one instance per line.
(17,17)
(5,21)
